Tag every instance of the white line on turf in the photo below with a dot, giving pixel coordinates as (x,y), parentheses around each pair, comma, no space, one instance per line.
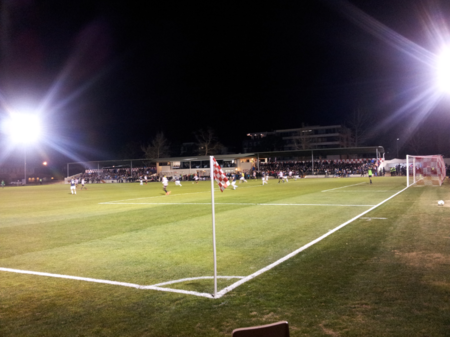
(195,278)
(225,203)
(342,187)
(276,263)
(125,284)
(173,195)
(358,191)
(226,289)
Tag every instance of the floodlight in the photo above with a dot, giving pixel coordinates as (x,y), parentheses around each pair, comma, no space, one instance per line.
(443,70)
(23,128)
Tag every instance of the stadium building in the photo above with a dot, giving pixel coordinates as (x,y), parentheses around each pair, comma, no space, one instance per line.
(306,137)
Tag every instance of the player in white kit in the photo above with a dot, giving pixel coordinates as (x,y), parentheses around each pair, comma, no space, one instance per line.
(177,181)
(73,187)
(165,182)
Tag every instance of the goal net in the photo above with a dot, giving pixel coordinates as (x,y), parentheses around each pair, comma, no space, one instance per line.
(425,170)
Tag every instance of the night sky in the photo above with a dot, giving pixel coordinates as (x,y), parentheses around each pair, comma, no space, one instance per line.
(106,74)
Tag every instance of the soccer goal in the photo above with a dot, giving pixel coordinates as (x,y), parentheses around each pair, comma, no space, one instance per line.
(425,170)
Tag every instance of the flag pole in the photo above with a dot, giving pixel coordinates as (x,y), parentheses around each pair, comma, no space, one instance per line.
(211,166)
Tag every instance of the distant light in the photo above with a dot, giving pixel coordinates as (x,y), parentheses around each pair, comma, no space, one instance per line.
(44,163)
(22,128)
(443,70)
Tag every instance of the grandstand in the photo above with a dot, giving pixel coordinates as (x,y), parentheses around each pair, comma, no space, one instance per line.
(313,159)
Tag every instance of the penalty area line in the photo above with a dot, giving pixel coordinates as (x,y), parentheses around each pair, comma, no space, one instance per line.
(342,187)
(226,203)
(173,195)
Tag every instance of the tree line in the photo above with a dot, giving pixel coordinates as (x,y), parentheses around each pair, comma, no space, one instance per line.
(206,143)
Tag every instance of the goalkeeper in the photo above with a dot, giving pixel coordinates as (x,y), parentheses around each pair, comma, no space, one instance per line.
(370,174)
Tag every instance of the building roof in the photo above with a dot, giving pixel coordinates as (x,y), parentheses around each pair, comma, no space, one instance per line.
(265,154)
(290,153)
(204,158)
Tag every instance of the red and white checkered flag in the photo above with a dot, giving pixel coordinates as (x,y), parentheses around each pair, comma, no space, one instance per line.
(219,176)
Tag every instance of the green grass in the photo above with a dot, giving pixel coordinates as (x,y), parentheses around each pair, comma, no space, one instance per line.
(373,277)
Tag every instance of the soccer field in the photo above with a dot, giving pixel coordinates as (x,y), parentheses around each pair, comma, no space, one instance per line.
(137,236)
(57,248)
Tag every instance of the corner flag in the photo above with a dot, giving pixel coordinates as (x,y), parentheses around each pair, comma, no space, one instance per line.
(219,176)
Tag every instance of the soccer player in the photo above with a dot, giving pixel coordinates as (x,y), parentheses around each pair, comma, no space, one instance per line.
(177,181)
(233,182)
(73,187)
(3,183)
(242,179)
(280,176)
(264,181)
(142,182)
(165,182)
(145,178)
(370,174)
(196,178)
(82,184)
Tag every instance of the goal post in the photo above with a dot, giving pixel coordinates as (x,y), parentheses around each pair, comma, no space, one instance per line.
(425,170)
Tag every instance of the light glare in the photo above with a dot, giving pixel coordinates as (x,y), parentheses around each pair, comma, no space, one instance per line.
(443,70)
(23,128)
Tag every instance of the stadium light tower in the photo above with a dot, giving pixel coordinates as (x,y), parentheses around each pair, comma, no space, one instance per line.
(23,129)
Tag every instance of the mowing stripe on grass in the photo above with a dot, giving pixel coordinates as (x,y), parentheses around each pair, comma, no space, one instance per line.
(342,187)
(226,289)
(173,195)
(224,203)
(287,257)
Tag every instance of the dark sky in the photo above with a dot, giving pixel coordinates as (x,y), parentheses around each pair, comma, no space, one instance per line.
(107,73)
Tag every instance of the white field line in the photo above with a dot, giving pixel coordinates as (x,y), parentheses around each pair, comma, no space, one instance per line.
(125,284)
(373,218)
(165,196)
(276,263)
(357,191)
(343,187)
(194,278)
(224,203)
(223,291)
